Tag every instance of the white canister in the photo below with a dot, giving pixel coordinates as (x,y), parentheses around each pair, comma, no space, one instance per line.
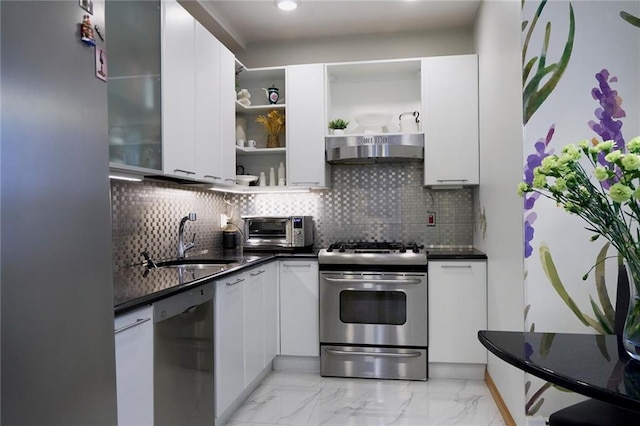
(272,177)
(263,180)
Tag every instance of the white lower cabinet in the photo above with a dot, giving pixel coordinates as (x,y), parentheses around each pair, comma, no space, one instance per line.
(457,310)
(246,331)
(134,366)
(229,341)
(299,308)
(271,312)
(254,326)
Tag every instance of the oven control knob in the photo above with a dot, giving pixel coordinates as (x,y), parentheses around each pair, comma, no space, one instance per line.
(330,249)
(403,249)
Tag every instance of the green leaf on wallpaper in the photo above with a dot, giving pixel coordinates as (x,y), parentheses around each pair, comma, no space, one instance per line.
(534,96)
(532,329)
(527,68)
(527,386)
(552,274)
(633,20)
(527,39)
(601,288)
(526,310)
(606,327)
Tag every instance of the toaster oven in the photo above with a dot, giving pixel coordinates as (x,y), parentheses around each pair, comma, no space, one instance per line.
(278,232)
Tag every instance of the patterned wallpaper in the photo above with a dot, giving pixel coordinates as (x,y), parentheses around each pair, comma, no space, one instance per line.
(366,202)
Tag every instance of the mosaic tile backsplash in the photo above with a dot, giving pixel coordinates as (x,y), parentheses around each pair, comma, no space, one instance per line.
(384,202)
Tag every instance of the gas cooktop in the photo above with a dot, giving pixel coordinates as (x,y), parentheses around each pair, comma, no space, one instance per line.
(373,253)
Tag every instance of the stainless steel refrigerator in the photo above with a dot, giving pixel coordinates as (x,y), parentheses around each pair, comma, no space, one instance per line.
(58,362)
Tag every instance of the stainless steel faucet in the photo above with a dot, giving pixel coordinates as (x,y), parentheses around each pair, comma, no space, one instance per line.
(182,247)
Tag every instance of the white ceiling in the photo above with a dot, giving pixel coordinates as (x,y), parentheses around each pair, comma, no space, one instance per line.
(254,21)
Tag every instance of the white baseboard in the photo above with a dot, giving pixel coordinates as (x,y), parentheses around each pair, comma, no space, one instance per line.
(301,364)
(440,370)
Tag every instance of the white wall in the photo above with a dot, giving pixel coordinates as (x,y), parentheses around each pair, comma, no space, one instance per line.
(358,48)
(497,38)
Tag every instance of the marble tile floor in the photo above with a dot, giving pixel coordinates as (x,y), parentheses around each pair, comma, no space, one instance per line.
(306,399)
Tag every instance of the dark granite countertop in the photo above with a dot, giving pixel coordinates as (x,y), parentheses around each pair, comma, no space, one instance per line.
(594,365)
(133,288)
(454,253)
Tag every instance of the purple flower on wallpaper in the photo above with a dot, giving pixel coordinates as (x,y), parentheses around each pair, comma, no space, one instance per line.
(608,128)
(610,109)
(529,233)
(533,161)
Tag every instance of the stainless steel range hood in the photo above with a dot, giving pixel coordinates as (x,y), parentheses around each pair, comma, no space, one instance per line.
(378,148)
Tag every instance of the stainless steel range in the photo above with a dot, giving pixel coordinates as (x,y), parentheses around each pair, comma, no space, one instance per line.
(373,310)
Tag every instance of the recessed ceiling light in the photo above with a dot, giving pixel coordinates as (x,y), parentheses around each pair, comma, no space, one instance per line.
(287,4)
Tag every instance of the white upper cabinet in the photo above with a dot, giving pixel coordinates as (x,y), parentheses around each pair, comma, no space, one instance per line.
(306,126)
(450,120)
(178,91)
(194,104)
(227,152)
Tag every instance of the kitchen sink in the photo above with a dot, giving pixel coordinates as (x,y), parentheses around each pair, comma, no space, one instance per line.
(210,265)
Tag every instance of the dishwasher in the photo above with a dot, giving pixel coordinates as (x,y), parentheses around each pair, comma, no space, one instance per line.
(183,358)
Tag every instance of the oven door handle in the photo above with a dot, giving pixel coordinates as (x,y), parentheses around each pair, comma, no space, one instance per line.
(374,281)
(380,354)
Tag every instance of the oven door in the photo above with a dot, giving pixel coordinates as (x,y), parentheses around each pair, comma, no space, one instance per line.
(368,308)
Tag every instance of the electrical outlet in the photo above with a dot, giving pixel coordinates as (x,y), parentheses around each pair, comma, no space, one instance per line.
(431,218)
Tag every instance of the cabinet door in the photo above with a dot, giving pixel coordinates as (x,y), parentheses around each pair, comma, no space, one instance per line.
(271,317)
(208,162)
(134,366)
(450,120)
(229,342)
(135,133)
(253,324)
(306,126)
(299,308)
(457,310)
(227,147)
(178,90)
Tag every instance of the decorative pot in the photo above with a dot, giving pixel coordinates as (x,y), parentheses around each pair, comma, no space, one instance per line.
(273,141)
(631,332)
(338,131)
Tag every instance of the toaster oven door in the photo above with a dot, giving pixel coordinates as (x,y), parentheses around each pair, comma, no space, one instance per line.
(268,232)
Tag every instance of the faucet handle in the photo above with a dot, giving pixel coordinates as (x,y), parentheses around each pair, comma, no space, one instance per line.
(192,216)
(193,239)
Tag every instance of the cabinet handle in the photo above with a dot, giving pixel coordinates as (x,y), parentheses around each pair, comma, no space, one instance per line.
(133,324)
(212,177)
(456,266)
(257,273)
(184,171)
(238,281)
(293,265)
(229,180)
(453,180)
(306,183)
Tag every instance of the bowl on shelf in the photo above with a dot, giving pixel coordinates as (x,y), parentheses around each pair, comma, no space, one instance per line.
(246,180)
(373,121)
